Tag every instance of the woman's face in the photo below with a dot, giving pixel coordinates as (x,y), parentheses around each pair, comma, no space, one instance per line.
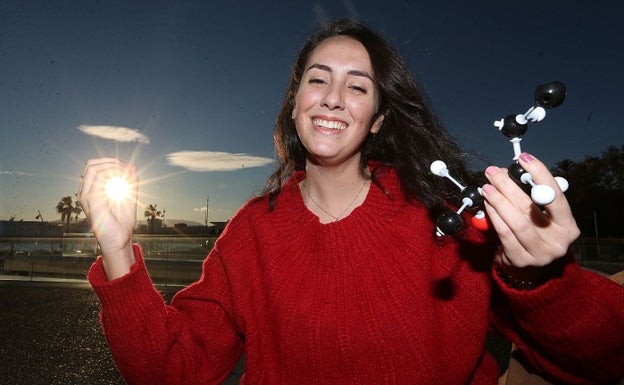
(336,102)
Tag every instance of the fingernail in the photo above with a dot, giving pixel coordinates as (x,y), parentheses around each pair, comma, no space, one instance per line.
(492,170)
(488,189)
(525,156)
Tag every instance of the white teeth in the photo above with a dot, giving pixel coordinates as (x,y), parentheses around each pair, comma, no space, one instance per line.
(332,125)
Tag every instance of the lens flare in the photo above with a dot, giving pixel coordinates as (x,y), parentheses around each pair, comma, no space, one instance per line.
(117,188)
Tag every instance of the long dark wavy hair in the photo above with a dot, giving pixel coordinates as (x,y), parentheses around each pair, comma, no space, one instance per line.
(410,138)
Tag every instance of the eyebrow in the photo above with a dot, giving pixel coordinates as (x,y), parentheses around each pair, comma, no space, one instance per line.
(351,72)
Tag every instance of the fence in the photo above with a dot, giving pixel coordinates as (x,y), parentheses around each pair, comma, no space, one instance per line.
(177,260)
(171,260)
(603,254)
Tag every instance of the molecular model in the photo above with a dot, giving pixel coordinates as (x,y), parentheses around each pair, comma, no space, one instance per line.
(547,96)
(449,222)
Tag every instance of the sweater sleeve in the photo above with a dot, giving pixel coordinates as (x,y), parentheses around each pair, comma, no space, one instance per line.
(570,329)
(154,343)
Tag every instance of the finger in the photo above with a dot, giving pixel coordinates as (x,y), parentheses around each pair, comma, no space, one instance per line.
(498,224)
(501,221)
(87,177)
(93,165)
(559,209)
(514,195)
(528,238)
(512,251)
(521,232)
(538,170)
(93,180)
(102,171)
(124,208)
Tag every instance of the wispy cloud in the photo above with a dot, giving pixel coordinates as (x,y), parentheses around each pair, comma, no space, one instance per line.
(323,18)
(215,161)
(200,208)
(116,133)
(15,172)
(351,10)
(320,14)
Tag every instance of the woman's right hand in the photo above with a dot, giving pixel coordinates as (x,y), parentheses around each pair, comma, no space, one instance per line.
(112,219)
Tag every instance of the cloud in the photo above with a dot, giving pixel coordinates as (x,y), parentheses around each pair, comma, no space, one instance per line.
(322,17)
(215,161)
(351,10)
(200,208)
(116,133)
(15,172)
(320,14)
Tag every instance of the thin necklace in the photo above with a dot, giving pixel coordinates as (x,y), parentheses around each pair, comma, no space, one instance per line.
(306,188)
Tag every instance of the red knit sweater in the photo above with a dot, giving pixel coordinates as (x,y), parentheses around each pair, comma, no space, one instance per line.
(370,299)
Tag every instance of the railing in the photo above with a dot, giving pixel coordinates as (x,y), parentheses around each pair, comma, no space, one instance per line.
(602,254)
(176,260)
(171,260)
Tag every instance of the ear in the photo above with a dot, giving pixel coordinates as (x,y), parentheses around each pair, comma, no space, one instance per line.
(377,124)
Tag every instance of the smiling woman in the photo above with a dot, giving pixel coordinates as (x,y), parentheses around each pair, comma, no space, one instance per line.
(333,274)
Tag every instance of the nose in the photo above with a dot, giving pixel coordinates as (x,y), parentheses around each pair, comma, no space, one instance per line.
(333,99)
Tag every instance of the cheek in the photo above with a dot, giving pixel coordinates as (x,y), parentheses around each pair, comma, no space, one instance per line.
(304,99)
(364,112)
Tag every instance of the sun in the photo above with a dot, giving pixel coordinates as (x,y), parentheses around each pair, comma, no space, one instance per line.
(117,188)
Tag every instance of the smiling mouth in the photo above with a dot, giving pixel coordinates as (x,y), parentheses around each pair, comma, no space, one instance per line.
(329,124)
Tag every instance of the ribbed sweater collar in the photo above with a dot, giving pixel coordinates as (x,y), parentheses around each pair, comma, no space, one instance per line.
(291,210)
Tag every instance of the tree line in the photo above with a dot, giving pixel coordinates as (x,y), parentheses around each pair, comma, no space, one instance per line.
(596,192)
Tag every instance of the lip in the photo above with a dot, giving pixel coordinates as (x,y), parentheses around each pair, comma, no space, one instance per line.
(328,124)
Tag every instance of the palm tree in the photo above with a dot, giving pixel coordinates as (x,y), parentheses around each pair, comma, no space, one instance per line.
(65,207)
(77,211)
(151,213)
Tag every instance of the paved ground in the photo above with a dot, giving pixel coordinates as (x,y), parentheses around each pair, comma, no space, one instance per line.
(50,335)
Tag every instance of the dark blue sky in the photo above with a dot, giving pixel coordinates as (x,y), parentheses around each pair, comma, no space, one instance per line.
(170,78)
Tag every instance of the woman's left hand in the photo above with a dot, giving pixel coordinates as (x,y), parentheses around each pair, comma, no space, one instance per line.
(529,235)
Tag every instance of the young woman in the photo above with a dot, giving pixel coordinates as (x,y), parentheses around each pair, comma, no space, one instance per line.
(334,276)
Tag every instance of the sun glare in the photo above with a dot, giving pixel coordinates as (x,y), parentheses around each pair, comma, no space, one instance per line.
(117,188)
